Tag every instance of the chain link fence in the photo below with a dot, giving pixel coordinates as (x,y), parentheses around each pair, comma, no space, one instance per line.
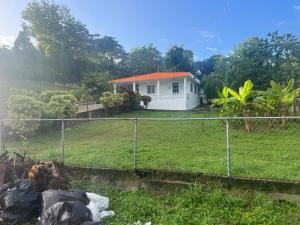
(260,147)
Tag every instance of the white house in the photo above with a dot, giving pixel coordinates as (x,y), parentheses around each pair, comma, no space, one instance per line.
(168,90)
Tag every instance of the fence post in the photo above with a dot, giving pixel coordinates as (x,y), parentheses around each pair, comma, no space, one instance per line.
(1,138)
(63,140)
(135,144)
(228,149)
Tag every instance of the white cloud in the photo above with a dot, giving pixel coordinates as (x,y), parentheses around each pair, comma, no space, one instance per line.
(207,34)
(164,39)
(297,7)
(280,23)
(7,40)
(211,49)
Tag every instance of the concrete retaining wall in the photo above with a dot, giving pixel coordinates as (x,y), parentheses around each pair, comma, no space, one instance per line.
(164,181)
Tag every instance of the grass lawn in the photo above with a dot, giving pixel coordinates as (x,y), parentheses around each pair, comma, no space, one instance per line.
(195,206)
(198,146)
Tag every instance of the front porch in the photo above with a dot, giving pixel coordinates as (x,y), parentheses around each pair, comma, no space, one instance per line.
(167,88)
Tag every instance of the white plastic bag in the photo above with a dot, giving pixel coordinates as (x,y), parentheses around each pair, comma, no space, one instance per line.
(104,214)
(97,206)
(140,223)
(98,202)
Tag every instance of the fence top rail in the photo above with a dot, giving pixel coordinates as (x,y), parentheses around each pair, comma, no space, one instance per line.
(157,118)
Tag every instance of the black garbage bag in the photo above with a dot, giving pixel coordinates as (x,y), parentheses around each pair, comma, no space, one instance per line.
(21,202)
(3,192)
(66,213)
(92,223)
(50,197)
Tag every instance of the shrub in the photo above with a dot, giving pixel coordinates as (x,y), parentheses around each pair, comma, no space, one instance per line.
(24,107)
(132,100)
(276,101)
(62,106)
(45,96)
(146,100)
(109,100)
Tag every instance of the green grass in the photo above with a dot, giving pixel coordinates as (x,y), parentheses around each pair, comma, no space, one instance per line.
(197,146)
(196,205)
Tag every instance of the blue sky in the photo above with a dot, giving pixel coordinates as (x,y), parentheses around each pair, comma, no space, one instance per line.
(206,27)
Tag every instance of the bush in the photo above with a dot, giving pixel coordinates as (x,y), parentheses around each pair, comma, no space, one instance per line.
(107,100)
(110,100)
(24,107)
(46,96)
(146,100)
(62,106)
(275,101)
(132,100)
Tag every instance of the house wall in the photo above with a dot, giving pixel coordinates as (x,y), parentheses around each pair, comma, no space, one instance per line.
(193,99)
(166,99)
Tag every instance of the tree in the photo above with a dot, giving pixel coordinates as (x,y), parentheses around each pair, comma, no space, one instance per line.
(207,66)
(95,84)
(285,51)
(261,60)
(107,47)
(145,59)
(108,55)
(60,36)
(23,60)
(211,84)
(250,60)
(23,40)
(179,59)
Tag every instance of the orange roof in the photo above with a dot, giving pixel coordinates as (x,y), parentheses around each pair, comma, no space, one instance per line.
(152,76)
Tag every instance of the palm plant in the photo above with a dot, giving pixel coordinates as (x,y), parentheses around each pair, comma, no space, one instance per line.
(284,96)
(241,99)
(264,104)
(224,101)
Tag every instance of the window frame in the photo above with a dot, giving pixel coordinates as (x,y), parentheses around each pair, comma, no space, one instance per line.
(151,89)
(175,86)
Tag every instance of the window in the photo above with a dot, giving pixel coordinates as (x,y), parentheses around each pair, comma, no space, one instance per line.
(137,88)
(195,90)
(191,89)
(151,89)
(175,88)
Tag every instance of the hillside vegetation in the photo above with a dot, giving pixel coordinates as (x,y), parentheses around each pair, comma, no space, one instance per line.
(6,86)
